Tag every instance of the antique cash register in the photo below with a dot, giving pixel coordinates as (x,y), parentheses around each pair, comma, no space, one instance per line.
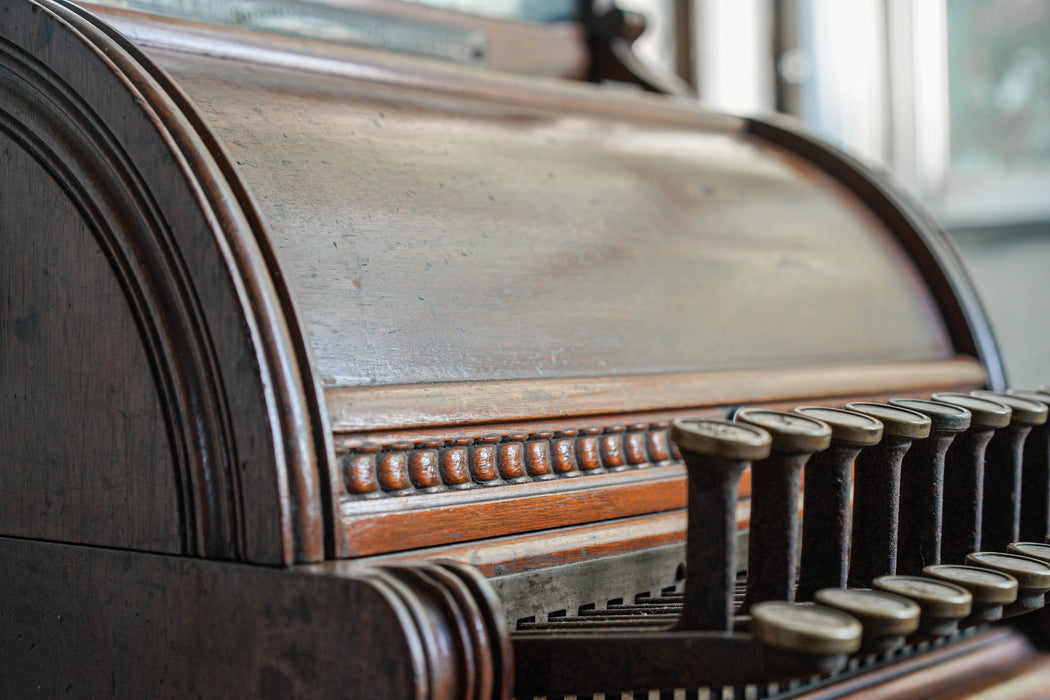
(329,371)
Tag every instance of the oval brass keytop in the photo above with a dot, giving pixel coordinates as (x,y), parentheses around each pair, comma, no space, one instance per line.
(791,433)
(896,421)
(721,438)
(1033,578)
(881,614)
(1034,550)
(1041,395)
(846,426)
(988,587)
(805,628)
(984,412)
(1031,574)
(943,604)
(1025,411)
(944,418)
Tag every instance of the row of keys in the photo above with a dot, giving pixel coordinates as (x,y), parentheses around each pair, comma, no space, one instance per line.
(965,458)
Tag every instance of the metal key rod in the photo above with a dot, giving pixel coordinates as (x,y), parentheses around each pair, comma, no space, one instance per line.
(1035,476)
(716,453)
(826,516)
(922,485)
(1004,458)
(773,547)
(964,474)
(876,491)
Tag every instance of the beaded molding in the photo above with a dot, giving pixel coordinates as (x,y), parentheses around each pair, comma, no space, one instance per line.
(431,466)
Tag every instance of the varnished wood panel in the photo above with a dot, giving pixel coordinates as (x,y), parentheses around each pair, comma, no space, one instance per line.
(77,408)
(470,249)
(362,409)
(442,237)
(81,622)
(536,550)
(430,525)
(191,285)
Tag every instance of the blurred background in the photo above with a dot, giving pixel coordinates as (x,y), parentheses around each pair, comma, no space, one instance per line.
(949,98)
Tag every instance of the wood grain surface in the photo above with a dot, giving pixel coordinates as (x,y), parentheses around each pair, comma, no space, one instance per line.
(486,242)
(90,622)
(175,412)
(357,410)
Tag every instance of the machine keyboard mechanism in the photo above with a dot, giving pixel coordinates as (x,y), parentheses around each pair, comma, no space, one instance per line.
(922,521)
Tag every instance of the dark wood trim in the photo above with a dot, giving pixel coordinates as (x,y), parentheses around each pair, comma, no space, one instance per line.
(501,489)
(180,241)
(436,520)
(93,622)
(307,440)
(535,550)
(998,661)
(465,403)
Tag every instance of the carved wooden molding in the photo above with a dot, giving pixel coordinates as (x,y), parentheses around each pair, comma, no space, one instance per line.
(181,237)
(375,470)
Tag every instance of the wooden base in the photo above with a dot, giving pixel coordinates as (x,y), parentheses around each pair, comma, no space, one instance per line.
(91,622)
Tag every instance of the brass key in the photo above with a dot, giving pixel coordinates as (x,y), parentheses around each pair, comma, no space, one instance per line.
(876,490)
(1001,518)
(887,618)
(716,453)
(1033,577)
(943,604)
(826,502)
(922,484)
(772,558)
(964,474)
(991,590)
(1035,476)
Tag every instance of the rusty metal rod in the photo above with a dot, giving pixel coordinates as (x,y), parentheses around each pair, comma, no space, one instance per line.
(1004,459)
(964,474)
(826,516)
(922,485)
(773,548)
(876,491)
(716,453)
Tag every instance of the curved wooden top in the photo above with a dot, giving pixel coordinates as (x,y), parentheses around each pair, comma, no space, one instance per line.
(283,229)
(440,224)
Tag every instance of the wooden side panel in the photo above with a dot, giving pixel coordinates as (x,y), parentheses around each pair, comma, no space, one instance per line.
(79,397)
(158,396)
(82,622)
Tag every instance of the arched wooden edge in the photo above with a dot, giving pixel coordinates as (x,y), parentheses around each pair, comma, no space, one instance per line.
(141,177)
(90,622)
(926,242)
